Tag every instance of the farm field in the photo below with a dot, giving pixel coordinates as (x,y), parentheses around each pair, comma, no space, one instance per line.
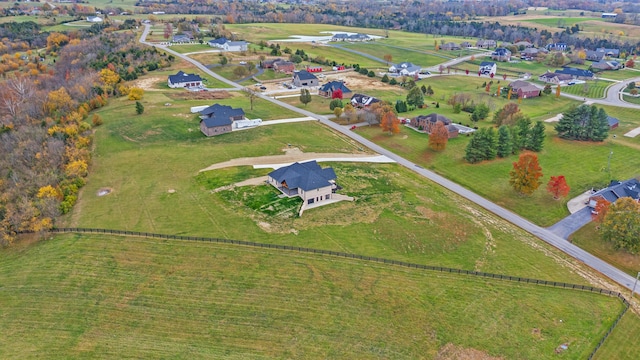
(265,31)
(100,296)
(561,22)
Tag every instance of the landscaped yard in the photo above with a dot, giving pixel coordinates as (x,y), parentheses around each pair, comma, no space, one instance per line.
(594,89)
(99,296)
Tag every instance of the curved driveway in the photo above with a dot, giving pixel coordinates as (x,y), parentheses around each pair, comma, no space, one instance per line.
(597,264)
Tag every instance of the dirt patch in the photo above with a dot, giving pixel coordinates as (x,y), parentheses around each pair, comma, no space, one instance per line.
(354,80)
(104,191)
(200,95)
(149,83)
(453,352)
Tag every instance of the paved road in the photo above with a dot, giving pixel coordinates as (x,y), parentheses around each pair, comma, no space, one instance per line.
(597,264)
(571,223)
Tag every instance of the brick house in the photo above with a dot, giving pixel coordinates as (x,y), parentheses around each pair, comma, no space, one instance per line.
(427,123)
(525,90)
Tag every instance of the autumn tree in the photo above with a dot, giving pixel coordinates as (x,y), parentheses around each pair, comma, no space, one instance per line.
(56,40)
(349,112)
(337,112)
(438,137)
(630,63)
(526,173)
(600,210)
(390,122)
(388,58)
(508,115)
(621,225)
(109,78)
(305,96)
(136,93)
(168,30)
(557,186)
(58,102)
(547,89)
(337,94)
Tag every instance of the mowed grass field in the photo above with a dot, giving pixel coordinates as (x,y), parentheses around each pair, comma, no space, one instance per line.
(594,90)
(96,296)
(583,164)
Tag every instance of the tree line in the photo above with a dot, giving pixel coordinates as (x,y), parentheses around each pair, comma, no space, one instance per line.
(46,125)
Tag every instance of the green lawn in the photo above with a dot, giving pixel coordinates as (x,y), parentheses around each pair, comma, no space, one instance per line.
(318,104)
(399,55)
(583,164)
(98,296)
(188,48)
(561,22)
(632,99)
(335,54)
(621,74)
(594,89)
(589,239)
(619,343)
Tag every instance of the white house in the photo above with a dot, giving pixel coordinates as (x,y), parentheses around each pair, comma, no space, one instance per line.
(405,69)
(235,46)
(488,68)
(94,19)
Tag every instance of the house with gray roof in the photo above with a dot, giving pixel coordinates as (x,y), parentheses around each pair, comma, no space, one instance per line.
(576,73)
(485,44)
(304,78)
(405,69)
(555,78)
(617,190)
(450,46)
(307,180)
(362,101)
(606,65)
(184,80)
(329,88)
(340,37)
(181,38)
(501,54)
(218,119)
(218,43)
(359,37)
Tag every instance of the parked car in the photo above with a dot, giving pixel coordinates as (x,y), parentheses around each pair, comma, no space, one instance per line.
(353,127)
(243,63)
(263,88)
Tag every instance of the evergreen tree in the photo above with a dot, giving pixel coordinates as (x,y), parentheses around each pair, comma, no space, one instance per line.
(535,141)
(423,89)
(480,112)
(385,78)
(523,129)
(415,97)
(139,108)
(483,146)
(429,91)
(585,123)
(505,142)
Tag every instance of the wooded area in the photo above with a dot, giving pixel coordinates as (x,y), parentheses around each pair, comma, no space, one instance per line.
(45,128)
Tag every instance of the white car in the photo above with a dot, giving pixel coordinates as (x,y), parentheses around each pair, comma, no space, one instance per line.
(243,63)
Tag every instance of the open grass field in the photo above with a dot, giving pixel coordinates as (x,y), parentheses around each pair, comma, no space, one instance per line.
(277,31)
(318,104)
(158,79)
(399,55)
(97,296)
(621,74)
(594,89)
(188,48)
(337,55)
(561,22)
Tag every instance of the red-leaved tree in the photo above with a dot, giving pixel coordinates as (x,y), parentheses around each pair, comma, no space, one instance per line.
(600,210)
(337,94)
(438,137)
(557,186)
(526,173)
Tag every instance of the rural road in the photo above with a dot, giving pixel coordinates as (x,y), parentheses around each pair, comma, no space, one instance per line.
(568,248)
